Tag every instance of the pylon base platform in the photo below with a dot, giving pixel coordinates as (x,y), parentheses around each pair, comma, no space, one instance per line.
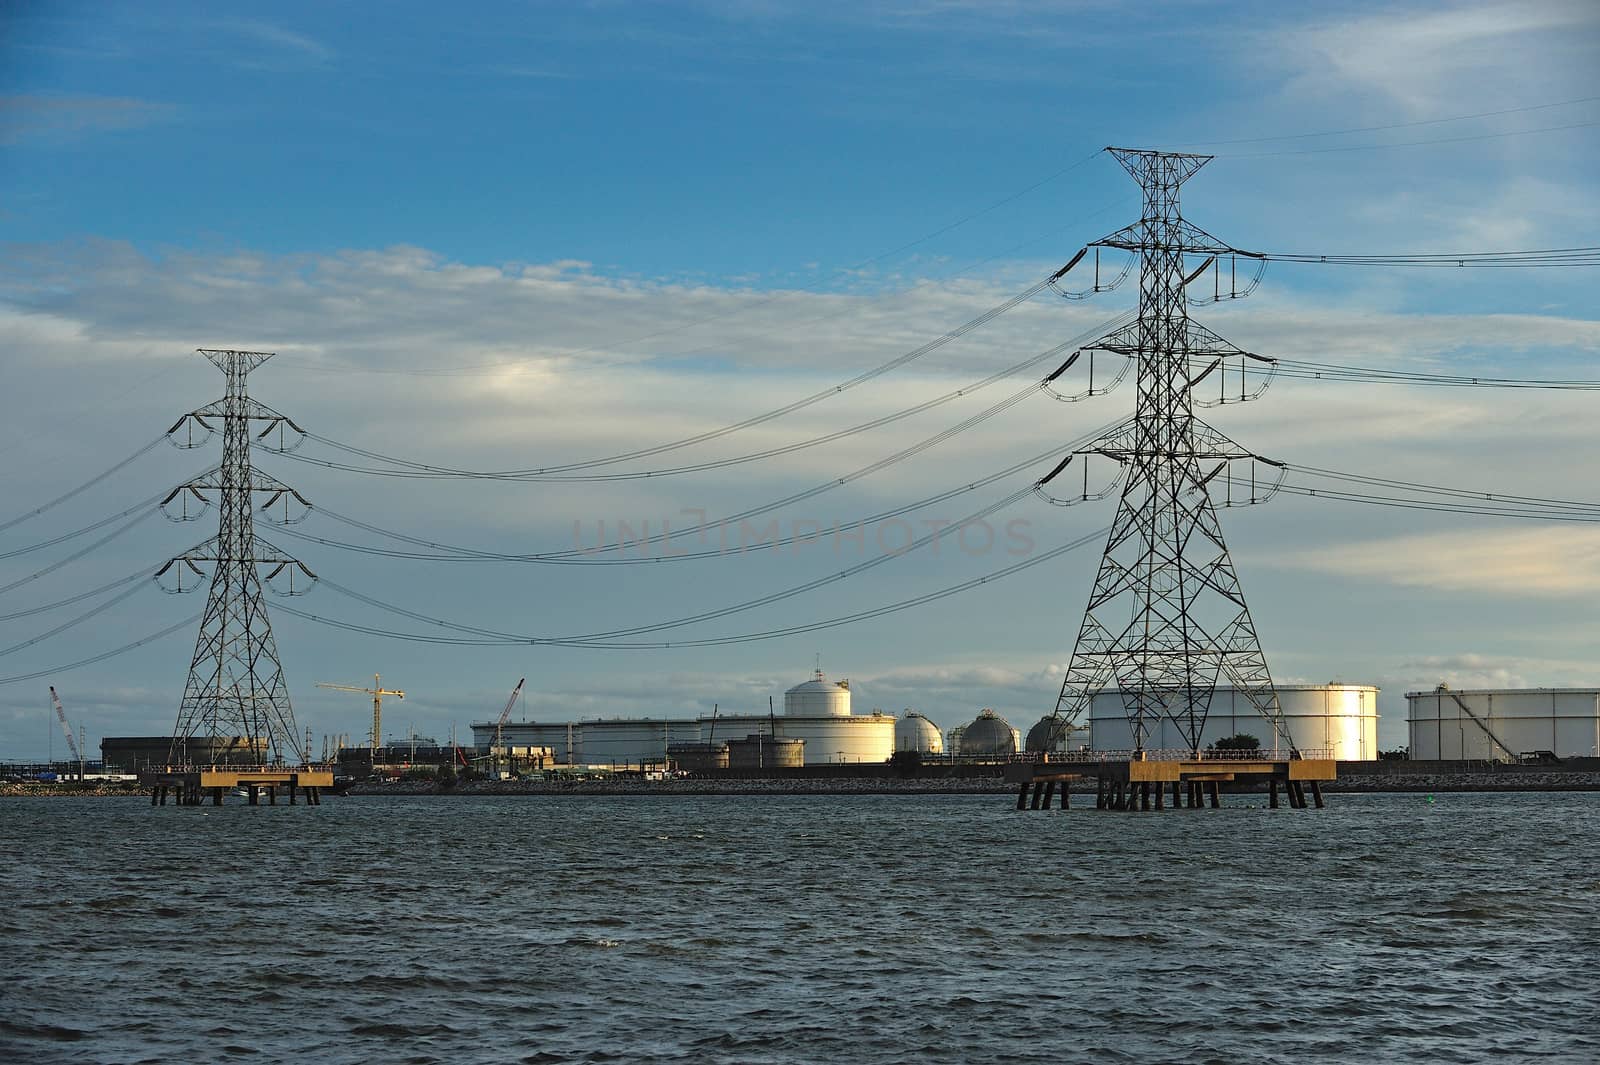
(188,786)
(1143,784)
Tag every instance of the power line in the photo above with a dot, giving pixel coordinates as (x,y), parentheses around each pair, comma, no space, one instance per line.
(707,615)
(84,487)
(1335,372)
(1389,126)
(74,622)
(80,597)
(1439,506)
(443,552)
(423,469)
(64,537)
(1541,258)
(1454,500)
(1417,144)
(437,473)
(721,641)
(120,530)
(91,660)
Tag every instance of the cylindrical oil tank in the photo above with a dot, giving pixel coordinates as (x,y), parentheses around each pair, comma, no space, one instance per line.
(630,741)
(829,739)
(1504,724)
(760,751)
(697,757)
(913,732)
(561,737)
(1325,720)
(818,697)
(989,735)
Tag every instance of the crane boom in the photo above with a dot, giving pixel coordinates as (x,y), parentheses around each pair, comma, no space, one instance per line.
(500,727)
(377,691)
(505,715)
(61,716)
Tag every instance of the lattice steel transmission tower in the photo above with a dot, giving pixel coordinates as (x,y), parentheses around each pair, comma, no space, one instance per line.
(1167,619)
(236,686)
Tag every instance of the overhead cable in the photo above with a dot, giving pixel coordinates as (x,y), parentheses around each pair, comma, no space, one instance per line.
(545,472)
(721,641)
(443,552)
(92,659)
(74,622)
(112,535)
(1390,125)
(80,597)
(716,464)
(916,544)
(64,537)
(1548,257)
(84,487)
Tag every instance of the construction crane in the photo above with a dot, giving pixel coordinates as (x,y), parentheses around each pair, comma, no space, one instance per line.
(499,729)
(72,741)
(377,691)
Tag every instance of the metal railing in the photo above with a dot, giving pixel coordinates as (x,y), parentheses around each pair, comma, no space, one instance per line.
(1184,754)
(247,769)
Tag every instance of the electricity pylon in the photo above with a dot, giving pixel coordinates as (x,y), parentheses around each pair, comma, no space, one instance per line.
(236,685)
(1167,619)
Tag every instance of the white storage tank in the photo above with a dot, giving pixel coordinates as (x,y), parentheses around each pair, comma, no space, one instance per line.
(630,741)
(562,738)
(989,735)
(818,697)
(830,739)
(1340,719)
(913,732)
(1504,723)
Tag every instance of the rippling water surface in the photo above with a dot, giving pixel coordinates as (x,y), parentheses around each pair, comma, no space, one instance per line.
(800,929)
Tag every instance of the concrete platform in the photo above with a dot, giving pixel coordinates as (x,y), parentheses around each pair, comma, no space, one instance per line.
(187,785)
(1142,783)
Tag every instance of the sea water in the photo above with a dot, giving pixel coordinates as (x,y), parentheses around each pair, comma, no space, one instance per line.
(1447,928)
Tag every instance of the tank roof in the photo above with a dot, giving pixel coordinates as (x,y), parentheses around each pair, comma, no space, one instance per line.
(1505,691)
(819,683)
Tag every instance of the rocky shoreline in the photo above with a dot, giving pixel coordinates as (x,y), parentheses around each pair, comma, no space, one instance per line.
(1554,780)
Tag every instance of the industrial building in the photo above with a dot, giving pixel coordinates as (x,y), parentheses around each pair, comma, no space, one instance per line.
(1341,719)
(1504,724)
(817,713)
(133,754)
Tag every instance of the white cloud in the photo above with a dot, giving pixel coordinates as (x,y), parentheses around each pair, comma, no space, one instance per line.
(1447,59)
(1520,562)
(61,118)
(281,46)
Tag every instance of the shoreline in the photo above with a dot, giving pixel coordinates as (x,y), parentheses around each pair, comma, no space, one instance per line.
(1385,783)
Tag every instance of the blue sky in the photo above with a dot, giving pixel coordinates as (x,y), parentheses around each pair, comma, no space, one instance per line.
(531,233)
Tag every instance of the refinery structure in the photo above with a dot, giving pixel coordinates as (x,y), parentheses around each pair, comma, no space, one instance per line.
(817,715)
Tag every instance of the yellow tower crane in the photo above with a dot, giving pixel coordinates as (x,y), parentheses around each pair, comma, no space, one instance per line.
(377,691)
